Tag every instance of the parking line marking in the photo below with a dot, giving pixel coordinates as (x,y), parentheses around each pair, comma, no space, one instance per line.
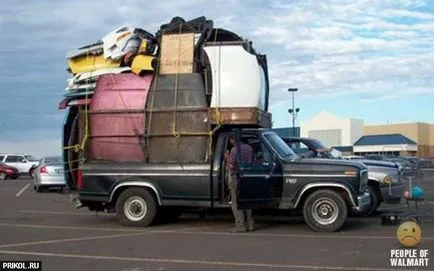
(22,190)
(72,239)
(147,230)
(191,262)
(298,235)
(62,213)
(68,227)
(195,231)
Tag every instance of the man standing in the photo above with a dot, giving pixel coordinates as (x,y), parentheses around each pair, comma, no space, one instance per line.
(242,217)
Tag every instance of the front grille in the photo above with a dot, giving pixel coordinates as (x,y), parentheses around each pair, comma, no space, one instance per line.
(363,180)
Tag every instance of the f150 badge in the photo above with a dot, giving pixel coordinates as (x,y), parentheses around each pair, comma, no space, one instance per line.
(290,180)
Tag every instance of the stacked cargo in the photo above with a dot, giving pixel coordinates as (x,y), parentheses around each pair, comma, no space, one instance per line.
(135,96)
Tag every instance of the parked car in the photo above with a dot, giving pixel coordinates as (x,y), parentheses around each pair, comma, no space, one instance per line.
(405,163)
(49,174)
(22,162)
(8,172)
(385,182)
(426,164)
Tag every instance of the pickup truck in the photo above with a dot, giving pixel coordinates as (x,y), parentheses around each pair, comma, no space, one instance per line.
(385,179)
(324,191)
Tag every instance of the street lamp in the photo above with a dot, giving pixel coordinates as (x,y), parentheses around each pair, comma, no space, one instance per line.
(294,110)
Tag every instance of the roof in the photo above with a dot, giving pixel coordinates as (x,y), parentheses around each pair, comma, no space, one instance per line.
(286,132)
(387,139)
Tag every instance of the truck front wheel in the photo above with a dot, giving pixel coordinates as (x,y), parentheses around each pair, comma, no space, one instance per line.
(325,211)
(136,207)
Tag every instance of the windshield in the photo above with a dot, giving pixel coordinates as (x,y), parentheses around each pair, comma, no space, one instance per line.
(322,151)
(282,149)
(336,153)
(30,158)
(53,161)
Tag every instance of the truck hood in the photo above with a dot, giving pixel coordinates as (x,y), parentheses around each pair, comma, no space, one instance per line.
(333,162)
(375,163)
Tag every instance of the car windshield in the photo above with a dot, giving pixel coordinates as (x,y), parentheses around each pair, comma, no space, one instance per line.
(282,149)
(323,150)
(53,161)
(30,158)
(336,153)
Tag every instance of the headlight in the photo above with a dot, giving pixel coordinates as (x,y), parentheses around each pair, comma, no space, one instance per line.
(391,179)
(387,180)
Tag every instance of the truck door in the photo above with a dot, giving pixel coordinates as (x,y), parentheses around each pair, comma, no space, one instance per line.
(260,182)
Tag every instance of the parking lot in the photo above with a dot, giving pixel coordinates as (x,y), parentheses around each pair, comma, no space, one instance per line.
(46,227)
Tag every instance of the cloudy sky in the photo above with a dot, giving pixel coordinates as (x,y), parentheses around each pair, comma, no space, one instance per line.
(365,59)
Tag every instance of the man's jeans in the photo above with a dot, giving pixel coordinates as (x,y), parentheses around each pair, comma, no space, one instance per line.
(242,217)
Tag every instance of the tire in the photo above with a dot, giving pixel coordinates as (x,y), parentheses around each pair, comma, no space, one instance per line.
(375,201)
(3,176)
(327,199)
(31,170)
(136,199)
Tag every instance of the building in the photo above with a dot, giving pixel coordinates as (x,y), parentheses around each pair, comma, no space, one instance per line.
(351,136)
(387,144)
(421,133)
(333,131)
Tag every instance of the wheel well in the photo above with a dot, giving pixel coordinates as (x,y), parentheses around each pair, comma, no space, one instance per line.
(123,188)
(338,190)
(376,185)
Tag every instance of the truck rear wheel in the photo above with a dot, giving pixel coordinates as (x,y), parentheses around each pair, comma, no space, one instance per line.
(136,207)
(325,211)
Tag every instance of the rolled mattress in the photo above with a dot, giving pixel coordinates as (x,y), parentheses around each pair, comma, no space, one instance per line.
(116,118)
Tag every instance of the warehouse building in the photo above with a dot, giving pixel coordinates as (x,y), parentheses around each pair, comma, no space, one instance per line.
(352,137)
(333,131)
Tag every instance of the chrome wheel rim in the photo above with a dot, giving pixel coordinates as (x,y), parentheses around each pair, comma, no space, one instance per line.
(325,211)
(2,176)
(135,208)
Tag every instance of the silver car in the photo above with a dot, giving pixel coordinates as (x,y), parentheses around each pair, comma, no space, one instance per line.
(49,174)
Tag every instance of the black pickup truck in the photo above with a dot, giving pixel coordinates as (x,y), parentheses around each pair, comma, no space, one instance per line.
(324,191)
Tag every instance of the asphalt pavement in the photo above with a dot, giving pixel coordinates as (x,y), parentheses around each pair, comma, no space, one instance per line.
(46,227)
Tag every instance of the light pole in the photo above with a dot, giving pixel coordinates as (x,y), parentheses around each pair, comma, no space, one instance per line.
(294,110)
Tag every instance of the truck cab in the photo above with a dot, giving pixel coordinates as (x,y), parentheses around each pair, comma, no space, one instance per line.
(279,179)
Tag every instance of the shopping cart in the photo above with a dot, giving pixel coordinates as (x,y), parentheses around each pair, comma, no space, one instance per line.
(413,203)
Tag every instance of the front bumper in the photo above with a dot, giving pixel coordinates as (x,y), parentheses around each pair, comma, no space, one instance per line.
(393,193)
(363,202)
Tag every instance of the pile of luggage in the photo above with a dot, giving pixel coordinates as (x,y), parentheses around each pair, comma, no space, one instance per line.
(137,96)
(125,49)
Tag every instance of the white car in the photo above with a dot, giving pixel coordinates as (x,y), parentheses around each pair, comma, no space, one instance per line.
(22,162)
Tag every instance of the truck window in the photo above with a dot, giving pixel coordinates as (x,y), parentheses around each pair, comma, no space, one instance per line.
(1,158)
(277,143)
(261,153)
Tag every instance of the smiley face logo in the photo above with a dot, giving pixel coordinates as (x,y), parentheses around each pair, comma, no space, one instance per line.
(409,234)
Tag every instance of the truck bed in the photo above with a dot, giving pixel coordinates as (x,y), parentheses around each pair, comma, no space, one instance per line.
(187,184)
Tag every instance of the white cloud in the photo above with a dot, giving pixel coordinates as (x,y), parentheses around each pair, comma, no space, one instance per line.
(363,48)
(327,47)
